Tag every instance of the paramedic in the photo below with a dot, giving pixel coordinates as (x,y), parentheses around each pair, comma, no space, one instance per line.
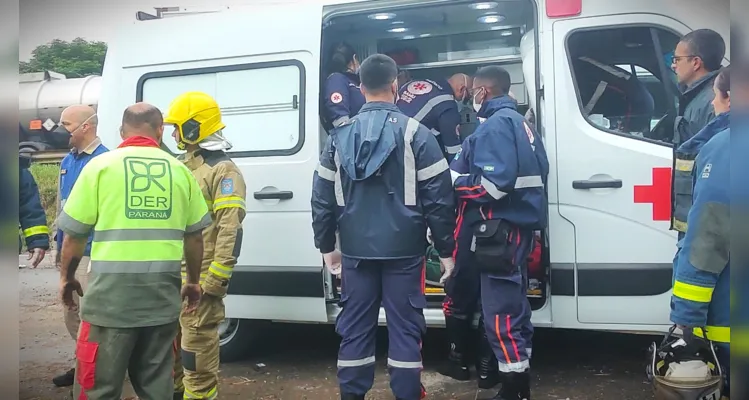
(381,181)
(500,177)
(146,211)
(198,129)
(701,293)
(696,62)
(31,214)
(80,121)
(343,98)
(433,104)
(687,151)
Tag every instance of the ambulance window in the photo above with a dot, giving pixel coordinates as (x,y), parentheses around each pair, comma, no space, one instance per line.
(620,81)
(262,105)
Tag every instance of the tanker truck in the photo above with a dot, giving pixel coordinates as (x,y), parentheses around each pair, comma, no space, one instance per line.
(42,97)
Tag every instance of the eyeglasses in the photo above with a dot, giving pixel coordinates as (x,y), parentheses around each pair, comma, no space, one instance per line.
(675,59)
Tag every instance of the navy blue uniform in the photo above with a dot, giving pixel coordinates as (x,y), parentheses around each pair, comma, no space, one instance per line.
(502,170)
(343,98)
(432,103)
(381,181)
(31,214)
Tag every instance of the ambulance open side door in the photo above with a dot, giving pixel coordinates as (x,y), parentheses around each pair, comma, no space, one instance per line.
(613,187)
(262,66)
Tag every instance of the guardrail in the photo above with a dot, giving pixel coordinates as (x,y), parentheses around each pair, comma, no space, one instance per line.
(47,157)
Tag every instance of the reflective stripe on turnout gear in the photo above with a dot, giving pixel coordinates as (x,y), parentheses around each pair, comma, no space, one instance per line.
(228,202)
(210,395)
(36,230)
(220,270)
(691,292)
(719,334)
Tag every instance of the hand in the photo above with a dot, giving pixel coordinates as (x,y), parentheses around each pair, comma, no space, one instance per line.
(429,236)
(66,292)
(447,265)
(36,256)
(333,262)
(192,292)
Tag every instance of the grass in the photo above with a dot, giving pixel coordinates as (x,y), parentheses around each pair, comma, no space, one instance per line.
(46,176)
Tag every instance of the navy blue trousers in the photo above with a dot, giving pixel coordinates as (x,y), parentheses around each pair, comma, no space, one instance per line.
(399,286)
(506,309)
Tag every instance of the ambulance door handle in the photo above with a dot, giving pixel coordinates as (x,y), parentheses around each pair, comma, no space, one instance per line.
(276,195)
(587,184)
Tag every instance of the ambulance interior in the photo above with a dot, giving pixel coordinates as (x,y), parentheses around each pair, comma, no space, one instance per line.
(435,42)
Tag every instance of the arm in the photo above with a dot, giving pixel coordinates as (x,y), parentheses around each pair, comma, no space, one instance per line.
(323,200)
(193,242)
(493,163)
(198,218)
(31,213)
(705,251)
(77,220)
(436,194)
(229,194)
(336,100)
(449,123)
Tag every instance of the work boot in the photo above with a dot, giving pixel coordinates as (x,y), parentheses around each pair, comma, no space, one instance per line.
(486,366)
(455,367)
(347,396)
(515,386)
(178,396)
(64,380)
(422,396)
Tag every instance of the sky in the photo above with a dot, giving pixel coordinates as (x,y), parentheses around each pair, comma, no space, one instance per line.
(42,21)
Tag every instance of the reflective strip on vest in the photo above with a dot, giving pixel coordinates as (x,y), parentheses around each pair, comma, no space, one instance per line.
(720,334)
(134,267)
(429,106)
(120,235)
(409,163)
(699,294)
(522,182)
(72,226)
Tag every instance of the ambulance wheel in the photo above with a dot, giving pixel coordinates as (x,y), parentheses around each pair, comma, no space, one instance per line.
(238,337)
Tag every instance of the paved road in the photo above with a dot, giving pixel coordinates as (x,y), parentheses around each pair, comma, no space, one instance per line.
(299,360)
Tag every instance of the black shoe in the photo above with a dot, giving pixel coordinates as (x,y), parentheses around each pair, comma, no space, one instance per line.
(178,395)
(422,395)
(458,331)
(486,365)
(66,379)
(346,396)
(515,386)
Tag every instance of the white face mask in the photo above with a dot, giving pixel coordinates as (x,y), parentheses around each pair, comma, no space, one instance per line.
(476,105)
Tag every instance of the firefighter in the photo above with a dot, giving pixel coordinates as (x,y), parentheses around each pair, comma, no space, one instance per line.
(701,292)
(500,177)
(381,181)
(31,214)
(434,103)
(343,98)
(146,212)
(198,129)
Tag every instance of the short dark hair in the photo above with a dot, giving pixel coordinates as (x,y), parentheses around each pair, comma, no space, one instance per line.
(497,77)
(723,81)
(707,45)
(140,116)
(378,72)
(340,56)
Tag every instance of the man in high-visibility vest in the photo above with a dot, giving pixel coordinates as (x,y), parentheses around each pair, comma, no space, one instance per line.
(146,211)
(196,118)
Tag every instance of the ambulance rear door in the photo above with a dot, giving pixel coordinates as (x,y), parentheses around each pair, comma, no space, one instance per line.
(613,166)
(262,66)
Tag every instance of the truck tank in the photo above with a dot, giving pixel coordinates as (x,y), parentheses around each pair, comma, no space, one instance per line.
(42,98)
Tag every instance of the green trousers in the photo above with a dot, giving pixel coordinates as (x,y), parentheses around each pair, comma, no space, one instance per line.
(105,355)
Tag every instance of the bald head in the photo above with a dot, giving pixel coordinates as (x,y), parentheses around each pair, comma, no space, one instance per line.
(460,84)
(80,121)
(142,119)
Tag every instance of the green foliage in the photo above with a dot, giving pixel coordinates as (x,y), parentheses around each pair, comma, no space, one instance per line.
(74,59)
(46,176)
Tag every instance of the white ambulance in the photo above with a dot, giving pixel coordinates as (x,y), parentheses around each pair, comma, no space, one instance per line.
(608,250)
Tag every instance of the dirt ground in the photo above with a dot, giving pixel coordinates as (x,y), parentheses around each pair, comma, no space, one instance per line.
(298,361)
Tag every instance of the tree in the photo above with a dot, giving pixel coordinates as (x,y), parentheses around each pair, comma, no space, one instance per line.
(74,59)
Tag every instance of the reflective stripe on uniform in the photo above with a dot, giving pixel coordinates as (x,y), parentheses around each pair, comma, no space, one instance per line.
(522,182)
(356,363)
(429,106)
(404,364)
(202,277)
(134,267)
(684,165)
(337,178)
(340,121)
(220,270)
(521,366)
(210,395)
(325,173)
(720,334)
(409,163)
(228,202)
(699,294)
(72,226)
(114,235)
(36,230)
(680,226)
(432,170)
(452,150)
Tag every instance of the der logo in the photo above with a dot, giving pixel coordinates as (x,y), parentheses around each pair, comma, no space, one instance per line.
(148,188)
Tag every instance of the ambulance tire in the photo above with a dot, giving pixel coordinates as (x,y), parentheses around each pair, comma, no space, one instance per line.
(238,338)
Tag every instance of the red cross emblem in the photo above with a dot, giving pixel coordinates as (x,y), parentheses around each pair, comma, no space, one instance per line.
(336,98)
(658,194)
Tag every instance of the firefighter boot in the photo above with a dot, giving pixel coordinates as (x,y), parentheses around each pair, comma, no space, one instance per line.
(422,396)
(515,386)
(346,396)
(455,367)
(486,366)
